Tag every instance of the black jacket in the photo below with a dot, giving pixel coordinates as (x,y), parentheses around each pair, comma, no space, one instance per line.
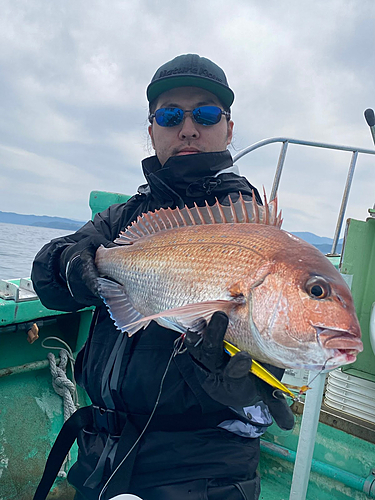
(164,456)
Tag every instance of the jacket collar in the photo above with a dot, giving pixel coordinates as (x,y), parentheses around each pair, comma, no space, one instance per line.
(183,179)
(201,163)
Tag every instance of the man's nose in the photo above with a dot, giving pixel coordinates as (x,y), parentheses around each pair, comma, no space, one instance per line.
(189,128)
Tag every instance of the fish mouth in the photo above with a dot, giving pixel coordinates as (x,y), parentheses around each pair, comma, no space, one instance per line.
(345,343)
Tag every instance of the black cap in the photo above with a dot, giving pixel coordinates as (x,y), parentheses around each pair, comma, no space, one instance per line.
(191,70)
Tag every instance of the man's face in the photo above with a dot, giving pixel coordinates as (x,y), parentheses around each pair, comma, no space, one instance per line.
(189,137)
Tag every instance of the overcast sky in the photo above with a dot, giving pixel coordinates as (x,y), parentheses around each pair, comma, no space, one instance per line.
(73,115)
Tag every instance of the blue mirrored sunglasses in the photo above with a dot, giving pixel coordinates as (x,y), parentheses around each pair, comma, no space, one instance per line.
(204,115)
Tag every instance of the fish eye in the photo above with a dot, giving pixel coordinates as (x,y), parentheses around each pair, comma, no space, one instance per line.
(317,288)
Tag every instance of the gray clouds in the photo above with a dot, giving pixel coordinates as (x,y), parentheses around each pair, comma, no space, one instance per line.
(73,107)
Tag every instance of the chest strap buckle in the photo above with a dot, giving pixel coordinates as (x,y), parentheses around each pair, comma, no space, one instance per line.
(109,421)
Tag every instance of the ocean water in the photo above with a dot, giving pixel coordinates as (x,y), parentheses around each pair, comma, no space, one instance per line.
(19,245)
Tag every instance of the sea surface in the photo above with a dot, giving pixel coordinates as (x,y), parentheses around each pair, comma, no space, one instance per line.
(19,245)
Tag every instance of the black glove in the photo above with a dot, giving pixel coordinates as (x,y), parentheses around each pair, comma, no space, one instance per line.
(78,270)
(89,270)
(227,379)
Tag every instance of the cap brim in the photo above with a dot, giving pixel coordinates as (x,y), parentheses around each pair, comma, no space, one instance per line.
(224,93)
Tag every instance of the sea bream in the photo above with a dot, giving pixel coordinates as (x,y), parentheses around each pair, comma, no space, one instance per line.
(287,304)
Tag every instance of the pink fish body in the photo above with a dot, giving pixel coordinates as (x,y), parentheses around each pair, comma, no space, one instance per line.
(287,304)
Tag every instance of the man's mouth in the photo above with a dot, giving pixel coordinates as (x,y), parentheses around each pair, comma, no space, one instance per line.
(188,151)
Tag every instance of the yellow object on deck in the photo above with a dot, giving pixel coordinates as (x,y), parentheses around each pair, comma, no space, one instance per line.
(259,371)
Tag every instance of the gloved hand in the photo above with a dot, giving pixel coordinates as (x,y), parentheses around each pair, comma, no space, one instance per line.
(89,270)
(78,270)
(228,379)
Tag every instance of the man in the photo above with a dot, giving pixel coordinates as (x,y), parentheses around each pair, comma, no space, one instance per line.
(161,426)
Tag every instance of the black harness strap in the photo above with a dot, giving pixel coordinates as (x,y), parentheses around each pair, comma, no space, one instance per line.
(118,424)
(120,481)
(64,441)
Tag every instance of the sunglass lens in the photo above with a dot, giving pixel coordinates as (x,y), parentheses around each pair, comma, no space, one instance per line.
(207,115)
(168,117)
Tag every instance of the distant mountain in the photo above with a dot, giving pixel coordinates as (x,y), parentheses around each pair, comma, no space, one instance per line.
(40,220)
(313,238)
(323,243)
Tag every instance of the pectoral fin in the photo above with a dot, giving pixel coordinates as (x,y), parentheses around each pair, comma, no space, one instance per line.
(128,319)
(119,307)
(184,317)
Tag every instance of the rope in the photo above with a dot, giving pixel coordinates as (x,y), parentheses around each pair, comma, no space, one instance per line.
(61,384)
(64,387)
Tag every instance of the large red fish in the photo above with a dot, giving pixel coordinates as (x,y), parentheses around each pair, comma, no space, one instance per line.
(287,304)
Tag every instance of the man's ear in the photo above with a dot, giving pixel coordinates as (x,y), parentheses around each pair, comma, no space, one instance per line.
(151,135)
(230,132)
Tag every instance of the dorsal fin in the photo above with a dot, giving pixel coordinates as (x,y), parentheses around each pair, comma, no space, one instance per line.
(240,212)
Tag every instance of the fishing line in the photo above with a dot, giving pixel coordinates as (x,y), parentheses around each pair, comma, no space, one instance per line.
(305,388)
(178,344)
(321,370)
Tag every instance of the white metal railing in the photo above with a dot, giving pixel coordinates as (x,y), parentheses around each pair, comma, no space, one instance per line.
(280,165)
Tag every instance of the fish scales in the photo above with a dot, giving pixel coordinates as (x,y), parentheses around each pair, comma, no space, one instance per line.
(180,268)
(170,266)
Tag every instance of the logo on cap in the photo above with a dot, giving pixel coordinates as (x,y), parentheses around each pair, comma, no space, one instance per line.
(192,70)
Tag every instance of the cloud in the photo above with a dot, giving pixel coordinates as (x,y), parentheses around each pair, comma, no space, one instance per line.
(42,180)
(73,107)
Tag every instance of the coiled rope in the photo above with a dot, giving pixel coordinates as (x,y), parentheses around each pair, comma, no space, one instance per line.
(61,384)
(64,387)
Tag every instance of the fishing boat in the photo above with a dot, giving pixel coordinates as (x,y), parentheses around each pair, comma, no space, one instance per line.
(330,453)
